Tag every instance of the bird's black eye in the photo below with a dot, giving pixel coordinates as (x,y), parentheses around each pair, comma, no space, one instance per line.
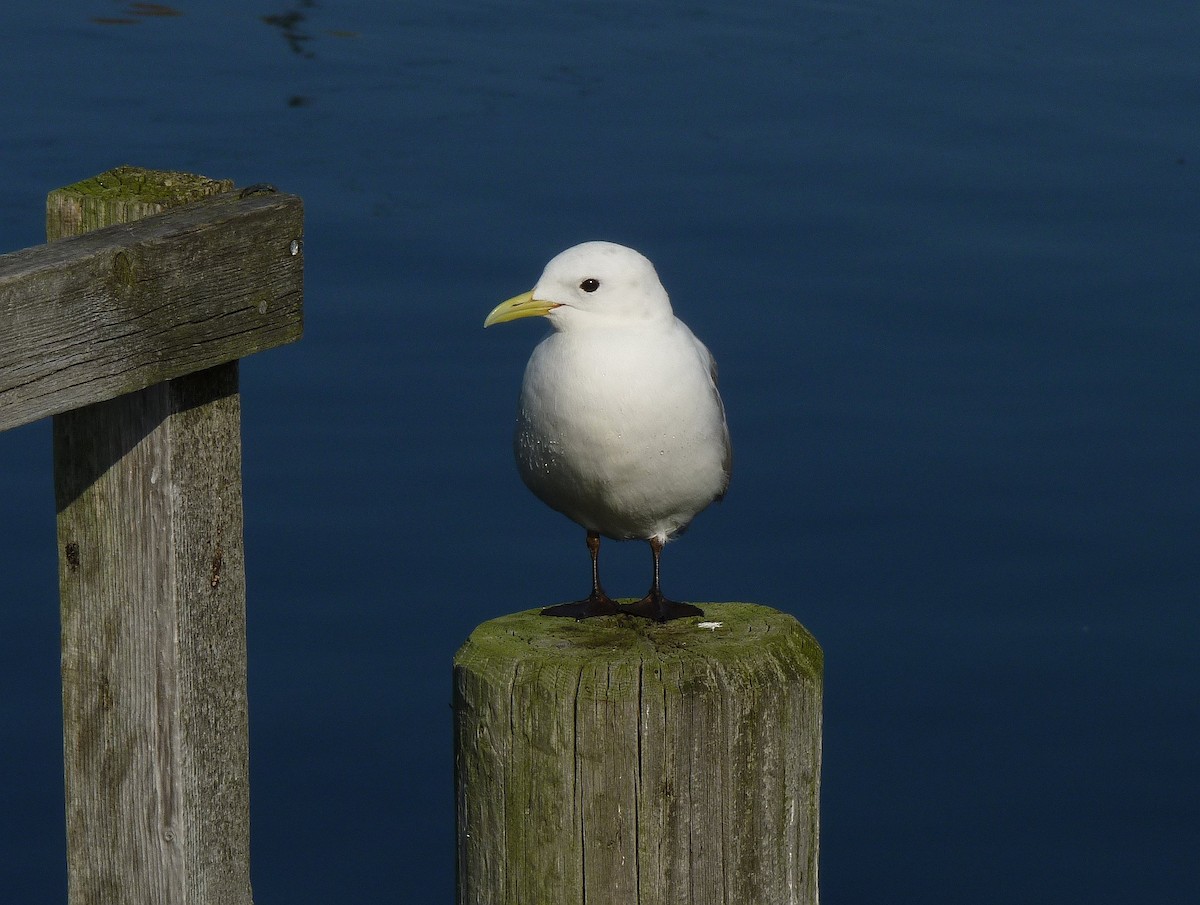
(591,284)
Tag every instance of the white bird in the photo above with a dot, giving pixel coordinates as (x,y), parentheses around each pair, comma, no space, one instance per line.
(620,426)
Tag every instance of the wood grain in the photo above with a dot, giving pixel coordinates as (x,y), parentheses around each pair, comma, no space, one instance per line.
(616,760)
(151,568)
(109,312)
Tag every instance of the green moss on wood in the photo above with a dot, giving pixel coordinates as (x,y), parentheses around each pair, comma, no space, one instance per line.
(165,187)
(123,195)
(659,763)
(745,628)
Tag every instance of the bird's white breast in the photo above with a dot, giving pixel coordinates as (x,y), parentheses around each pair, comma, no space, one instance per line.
(622,430)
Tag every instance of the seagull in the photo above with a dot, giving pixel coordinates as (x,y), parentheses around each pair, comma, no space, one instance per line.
(619,426)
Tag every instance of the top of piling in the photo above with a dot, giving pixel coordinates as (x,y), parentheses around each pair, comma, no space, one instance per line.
(727,633)
(122,195)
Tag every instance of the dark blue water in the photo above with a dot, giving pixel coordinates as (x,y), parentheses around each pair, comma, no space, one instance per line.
(947,255)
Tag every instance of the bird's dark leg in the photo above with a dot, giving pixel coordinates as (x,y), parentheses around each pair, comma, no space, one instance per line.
(595,604)
(654,605)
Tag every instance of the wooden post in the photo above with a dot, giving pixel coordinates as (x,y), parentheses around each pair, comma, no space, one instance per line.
(619,760)
(148,487)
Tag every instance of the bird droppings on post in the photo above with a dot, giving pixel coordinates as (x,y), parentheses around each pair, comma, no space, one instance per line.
(620,426)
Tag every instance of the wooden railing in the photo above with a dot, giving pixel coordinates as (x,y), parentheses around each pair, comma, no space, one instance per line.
(129,334)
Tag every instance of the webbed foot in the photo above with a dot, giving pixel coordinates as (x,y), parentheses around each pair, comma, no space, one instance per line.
(593,605)
(660,609)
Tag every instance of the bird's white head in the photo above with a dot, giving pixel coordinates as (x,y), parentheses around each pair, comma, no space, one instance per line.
(596,283)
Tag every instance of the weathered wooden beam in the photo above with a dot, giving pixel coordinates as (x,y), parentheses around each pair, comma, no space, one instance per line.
(151,570)
(90,318)
(152,589)
(619,760)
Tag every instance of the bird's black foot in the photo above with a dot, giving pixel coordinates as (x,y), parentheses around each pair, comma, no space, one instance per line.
(592,605)
(660,609)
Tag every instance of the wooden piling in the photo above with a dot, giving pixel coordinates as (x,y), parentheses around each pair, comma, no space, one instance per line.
(619,760)
(152,582)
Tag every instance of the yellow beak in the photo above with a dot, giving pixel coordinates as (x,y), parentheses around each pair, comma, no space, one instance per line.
(523,305)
